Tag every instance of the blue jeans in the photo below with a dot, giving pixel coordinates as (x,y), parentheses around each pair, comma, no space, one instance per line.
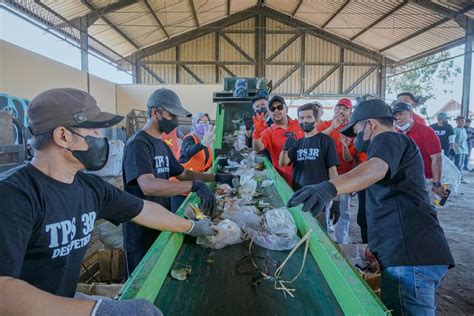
(410,290)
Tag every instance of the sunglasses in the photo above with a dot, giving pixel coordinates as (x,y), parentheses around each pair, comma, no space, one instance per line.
(279,107)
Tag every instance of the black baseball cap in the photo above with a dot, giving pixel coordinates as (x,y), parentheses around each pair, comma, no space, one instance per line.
(374,108)
(168,100)
(400,107)
(259,97)
(67,107)
(276,98)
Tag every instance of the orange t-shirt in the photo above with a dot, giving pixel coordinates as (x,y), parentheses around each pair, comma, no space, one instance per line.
(335,135)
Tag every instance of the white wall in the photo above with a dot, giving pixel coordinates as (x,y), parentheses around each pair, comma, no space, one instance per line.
(25,74)
(195,98)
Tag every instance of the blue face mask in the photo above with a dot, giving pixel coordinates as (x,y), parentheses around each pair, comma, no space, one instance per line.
(202,128)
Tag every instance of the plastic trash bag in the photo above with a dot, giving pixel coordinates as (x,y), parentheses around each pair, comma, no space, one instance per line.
(450,174)
(248,187)
(277,231)
(228,233)
(244,216)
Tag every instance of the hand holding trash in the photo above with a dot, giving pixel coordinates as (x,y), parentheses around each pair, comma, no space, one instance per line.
(209,136)
(259,125)
(208,200)
(201,228)
(313,197)
(225,178)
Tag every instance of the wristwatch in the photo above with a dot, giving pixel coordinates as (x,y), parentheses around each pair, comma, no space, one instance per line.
(436,184)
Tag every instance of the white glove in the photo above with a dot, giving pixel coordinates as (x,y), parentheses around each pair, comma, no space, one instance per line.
(209,136)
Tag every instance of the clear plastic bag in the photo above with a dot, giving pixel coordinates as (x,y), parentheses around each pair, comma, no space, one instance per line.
(248,187)
(277,231)
(450,174)
(228,233)
(244,216)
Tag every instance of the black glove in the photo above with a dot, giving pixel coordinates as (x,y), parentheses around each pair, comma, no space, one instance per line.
(289,143)
(314,197)
(105,307)
(248,123)
(208,200)
(225,178)
(335,212)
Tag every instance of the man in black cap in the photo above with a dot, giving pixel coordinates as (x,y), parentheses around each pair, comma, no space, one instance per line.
(49,207)
(445,132)
(148,164)
(403,230)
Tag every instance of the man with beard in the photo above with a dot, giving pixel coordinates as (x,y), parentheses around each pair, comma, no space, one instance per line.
(346,154)
(273,138)
(316,152)
(148,164)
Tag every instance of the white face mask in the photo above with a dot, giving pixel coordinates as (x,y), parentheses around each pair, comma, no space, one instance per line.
(405,126)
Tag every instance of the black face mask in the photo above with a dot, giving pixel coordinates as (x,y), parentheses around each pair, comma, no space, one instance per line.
(167,126)
(261,110)
(360,144)
(96,156)
(307,126)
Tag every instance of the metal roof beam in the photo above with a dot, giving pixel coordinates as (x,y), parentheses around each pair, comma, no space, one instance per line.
(283,47)
(286,76)
(362,78)
(441,48)
(321,80)
(99,13)
(152,73)
(296,9)
(386,15)
(192,74)
(193,10)
(409,37)
(204,30)
(110,24)
(157,20)
(313,30)
(335,14)
(445,12)
(228,7)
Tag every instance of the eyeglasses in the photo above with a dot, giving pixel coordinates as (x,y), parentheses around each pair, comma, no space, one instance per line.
(279,107)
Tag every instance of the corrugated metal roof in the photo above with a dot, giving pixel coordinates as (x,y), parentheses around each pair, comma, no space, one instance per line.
(137,28)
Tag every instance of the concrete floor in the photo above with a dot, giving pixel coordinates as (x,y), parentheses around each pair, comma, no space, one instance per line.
(455,296)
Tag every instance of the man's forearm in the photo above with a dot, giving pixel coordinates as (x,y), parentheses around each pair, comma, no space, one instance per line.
(284,160)
(257,145)
(361,176)
(189,175)
(436,167)
(152,186)
(346,155)
(157,217)
(20,298)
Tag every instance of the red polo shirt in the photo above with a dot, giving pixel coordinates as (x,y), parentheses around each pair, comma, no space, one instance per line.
(428,144)
(274,138)
(344,166)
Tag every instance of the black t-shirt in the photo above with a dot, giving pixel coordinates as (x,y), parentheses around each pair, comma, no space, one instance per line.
(443,133)
(144,154)
(402,225)
(312,157)
(46,225)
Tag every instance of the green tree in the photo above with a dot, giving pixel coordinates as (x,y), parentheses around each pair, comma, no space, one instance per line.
(420,76)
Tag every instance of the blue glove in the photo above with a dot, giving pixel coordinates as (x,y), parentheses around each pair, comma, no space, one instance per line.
(314,197)
(208,200)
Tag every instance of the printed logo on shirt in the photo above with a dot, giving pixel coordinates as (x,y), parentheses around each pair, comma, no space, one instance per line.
(62,234)
(307,154)
(440,133)
(162,164)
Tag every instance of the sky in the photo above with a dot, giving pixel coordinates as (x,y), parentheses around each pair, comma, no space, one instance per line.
(24,34)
